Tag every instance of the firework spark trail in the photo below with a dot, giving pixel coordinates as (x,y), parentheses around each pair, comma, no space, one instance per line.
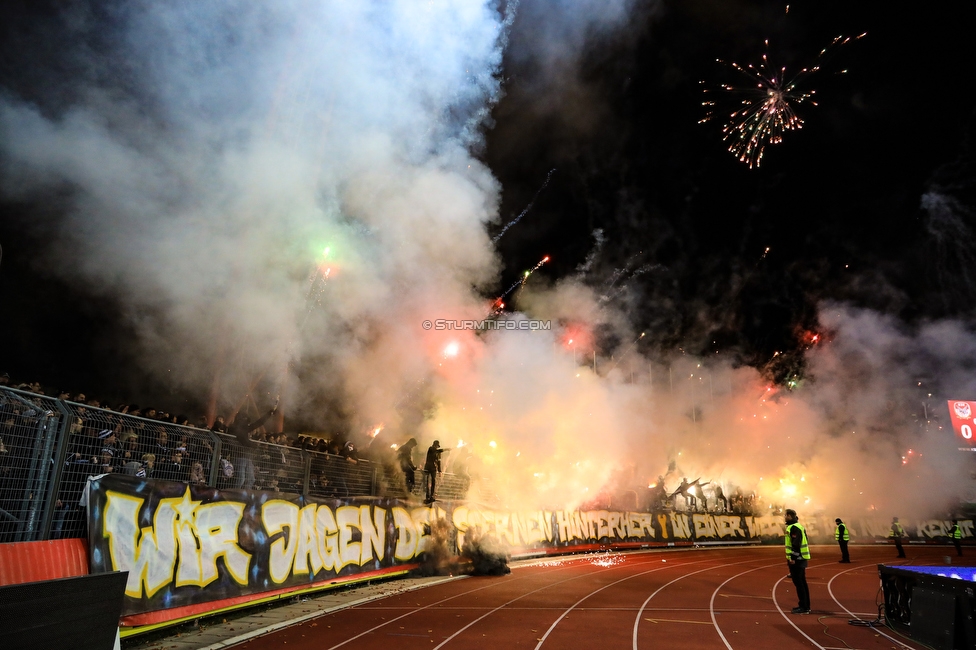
(766,110)
(525,276)
(318,278)
(524,212)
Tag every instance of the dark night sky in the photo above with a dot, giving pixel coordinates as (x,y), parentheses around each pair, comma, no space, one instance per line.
(838,203)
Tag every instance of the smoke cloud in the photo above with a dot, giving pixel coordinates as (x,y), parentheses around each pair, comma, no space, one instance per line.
(209,154)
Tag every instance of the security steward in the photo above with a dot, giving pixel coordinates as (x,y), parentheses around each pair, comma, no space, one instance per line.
(797,557)
(842,536)
(956,536)
(896,533)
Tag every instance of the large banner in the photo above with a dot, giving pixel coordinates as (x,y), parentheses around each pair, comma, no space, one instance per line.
(961,415)
(184,545)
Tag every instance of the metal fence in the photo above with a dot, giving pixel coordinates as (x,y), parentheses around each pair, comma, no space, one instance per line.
(49,448)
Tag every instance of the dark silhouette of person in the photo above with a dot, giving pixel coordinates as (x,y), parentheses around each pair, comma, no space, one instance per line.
(896,533)
(405,459)
(241,429)
(797,557)
(432,468)
(956,536)
(684,489)
(842,536)
(719,495)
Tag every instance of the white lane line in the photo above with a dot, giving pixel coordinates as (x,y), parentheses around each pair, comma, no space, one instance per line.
(487,614)
(850,613)
(643,606)
(783,614)
(596,591)
(711,603)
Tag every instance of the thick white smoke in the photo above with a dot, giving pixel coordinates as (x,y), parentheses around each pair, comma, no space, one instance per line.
(223,146)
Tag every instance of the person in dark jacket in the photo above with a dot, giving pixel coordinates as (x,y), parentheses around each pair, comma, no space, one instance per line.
(955,534)
(896,533)
(797,557)
(842,536)
(405,460)
(432,468)
(241,429)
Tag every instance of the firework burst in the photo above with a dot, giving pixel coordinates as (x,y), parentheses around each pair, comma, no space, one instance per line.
(765,109)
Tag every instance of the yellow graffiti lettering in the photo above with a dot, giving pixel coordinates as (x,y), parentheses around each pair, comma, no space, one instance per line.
(407,535)
(703,526)
(327,538)
(679,526)
(374,534)
(278,515)
(350,552)
(217,525)
(147,554)
(640,525)
(307,559)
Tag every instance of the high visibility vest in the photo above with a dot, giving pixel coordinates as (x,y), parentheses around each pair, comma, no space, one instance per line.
(804,547)
(956,533)
(896,530)
(846,537)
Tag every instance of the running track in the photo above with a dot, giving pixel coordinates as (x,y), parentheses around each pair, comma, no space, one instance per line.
(730,598)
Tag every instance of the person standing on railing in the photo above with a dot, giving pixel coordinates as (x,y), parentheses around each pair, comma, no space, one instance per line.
(405,459)
(432,468)
(241,429)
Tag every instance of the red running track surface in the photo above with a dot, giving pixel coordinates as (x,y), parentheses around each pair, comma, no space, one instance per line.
(729,598)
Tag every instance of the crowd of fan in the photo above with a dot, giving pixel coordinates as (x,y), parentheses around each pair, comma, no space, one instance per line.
(150,443)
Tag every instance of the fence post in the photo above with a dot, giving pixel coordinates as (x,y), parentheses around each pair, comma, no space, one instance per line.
(307,474)
(215,467)
(58,459)
(37,478)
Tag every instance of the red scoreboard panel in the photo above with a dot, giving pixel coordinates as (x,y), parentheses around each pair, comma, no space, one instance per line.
(961,415)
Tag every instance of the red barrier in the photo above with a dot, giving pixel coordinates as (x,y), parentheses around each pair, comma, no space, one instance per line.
(22,562)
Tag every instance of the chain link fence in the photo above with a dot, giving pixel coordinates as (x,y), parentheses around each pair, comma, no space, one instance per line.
(49,448)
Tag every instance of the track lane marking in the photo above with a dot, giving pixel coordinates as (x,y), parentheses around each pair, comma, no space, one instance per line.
(542,640)
(787,618)
(658,590)
(711,602)
(850,613)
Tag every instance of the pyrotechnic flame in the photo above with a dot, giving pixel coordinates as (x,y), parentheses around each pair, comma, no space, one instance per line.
(452,349)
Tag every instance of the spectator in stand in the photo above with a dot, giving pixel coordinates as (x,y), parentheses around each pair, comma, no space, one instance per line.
(405,459)
(348,472)
(106,464)
(163,448)
(241,428)
(197,475)
(219,426)
(149,465)
(172,469)
(107,439)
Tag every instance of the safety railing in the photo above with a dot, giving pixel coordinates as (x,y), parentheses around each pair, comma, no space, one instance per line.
(49,448)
